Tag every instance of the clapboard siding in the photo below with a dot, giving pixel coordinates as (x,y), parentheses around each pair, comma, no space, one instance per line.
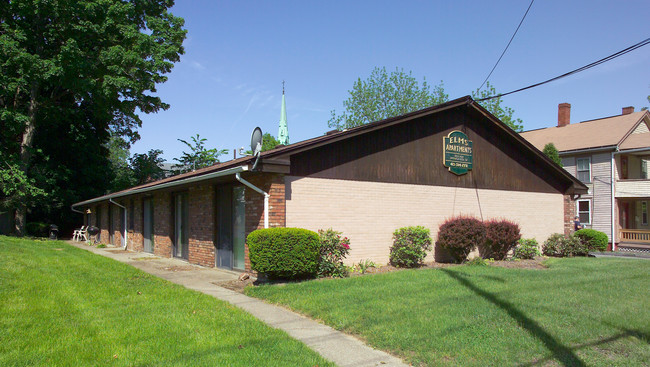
(601,173)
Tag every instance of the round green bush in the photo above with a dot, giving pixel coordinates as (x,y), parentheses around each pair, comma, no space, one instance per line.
(284,253)
(460,236)
(526,249)
(594,240)
(410,246)
(560,245)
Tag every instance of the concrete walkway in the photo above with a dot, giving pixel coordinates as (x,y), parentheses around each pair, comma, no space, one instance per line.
(342,349)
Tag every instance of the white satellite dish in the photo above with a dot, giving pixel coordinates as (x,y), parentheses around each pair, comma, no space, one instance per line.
(256,145)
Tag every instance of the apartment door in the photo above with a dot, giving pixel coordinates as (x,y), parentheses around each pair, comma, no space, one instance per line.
(231,227)
(147,227)
(181,225)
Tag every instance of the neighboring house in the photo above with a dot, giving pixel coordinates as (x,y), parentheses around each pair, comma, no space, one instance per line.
(611,156)
(366,182)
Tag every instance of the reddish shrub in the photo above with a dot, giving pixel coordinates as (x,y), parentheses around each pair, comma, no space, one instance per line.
(501,237)
(460,236)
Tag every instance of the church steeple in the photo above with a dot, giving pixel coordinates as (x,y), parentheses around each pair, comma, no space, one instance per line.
(283,132)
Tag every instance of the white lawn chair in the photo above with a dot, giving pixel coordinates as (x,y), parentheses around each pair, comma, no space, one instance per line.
(80,233)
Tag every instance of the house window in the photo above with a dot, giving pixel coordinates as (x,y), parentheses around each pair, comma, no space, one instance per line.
(583,166)
(644,213)
(645,162)
(584,211)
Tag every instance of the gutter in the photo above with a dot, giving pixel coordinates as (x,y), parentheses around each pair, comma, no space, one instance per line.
(588,150)
(257,189)
(125,211)
(165,185)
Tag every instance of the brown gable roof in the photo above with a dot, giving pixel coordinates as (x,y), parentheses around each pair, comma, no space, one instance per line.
(605,132)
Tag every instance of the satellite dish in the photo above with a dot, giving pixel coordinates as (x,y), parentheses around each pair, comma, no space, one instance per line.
(256,145)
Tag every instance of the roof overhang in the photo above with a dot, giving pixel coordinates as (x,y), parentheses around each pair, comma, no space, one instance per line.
(208,176)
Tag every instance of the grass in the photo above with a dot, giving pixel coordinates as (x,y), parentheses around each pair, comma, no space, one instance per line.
(63,306)
(579,312)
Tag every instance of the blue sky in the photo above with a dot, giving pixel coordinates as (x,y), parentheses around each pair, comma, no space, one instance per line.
(237,54)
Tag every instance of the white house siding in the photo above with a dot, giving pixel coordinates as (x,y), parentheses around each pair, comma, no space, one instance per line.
(601,173)
(369,212)
(569,164)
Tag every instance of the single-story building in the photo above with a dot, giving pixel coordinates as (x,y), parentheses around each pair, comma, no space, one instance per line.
(417,169)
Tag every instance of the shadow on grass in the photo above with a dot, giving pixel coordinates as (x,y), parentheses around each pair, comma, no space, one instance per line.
(561,353)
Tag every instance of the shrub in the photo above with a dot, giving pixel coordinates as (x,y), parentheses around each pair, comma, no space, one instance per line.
(561,245)
(501,236)
(333,249)
(478,261)
(284,253)
(526,249)
(460,235)
(410,246)
(37,229)
(592,239)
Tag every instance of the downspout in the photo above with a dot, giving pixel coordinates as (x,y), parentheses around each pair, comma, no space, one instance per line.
(613,201)
(125,211)
(257,189)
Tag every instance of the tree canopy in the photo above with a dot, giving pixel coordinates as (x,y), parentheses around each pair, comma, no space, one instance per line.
(72,73)
(494,106)
(199,156)
(385,95)
(551,151)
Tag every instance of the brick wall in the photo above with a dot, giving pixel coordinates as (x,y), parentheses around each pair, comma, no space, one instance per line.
(369,212)
(104,224)
(274,185)
(162,224)
(201,225)
(569,214)
(136,240)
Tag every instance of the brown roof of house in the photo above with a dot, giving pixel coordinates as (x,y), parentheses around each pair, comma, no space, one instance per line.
(283,151)
(605,132)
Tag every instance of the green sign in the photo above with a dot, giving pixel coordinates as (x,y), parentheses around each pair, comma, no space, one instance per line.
(457,152)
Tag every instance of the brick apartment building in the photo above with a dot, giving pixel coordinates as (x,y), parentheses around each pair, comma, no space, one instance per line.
(366,182)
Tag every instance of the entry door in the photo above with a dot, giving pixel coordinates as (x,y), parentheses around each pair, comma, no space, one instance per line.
(231,227)
(147,230)
(181,214)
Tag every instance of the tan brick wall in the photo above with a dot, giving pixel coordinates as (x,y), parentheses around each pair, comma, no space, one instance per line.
(369,212)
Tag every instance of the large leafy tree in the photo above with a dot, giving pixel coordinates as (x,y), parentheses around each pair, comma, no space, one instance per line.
(198,156)
(495,107)
(72,71)
(146,167)
(385,95)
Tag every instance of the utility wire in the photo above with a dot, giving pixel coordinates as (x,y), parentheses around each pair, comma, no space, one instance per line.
(508,45)
(588,66)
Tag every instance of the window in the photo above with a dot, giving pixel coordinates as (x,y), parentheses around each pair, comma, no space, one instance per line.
(583,166)
(644,213)
(584,211)
(645,162)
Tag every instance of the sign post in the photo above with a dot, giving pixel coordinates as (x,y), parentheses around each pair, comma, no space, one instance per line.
(458,153)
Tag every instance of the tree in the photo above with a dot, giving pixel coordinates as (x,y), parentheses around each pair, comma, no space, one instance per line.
(146,167)
(494,106)
(71,72)
(269,142)
(199,156)
(551,151)
(118,155)
(385,95)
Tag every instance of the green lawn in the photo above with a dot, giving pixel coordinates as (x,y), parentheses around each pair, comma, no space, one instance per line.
(60,305)
(579,312)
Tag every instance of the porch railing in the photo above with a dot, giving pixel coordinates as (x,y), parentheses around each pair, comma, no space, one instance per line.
(635,235)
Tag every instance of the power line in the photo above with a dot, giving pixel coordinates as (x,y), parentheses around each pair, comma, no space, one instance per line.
(508,45)
(583,68)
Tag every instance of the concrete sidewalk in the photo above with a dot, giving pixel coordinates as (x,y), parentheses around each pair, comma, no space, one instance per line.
(342,349)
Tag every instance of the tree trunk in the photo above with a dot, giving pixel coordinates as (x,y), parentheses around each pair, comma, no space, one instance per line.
(25,154)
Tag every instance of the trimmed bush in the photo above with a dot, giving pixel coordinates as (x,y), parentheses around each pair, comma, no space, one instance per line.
(284,253)
(526,249)
(460,235)
(592,239)
(501,236)
(410,246)
(560,245)
(333,249)
(37,229)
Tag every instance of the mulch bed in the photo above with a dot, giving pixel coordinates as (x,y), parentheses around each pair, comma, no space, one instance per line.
(536,264)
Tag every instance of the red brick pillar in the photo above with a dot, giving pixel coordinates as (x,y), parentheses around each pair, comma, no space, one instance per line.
(569,214)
